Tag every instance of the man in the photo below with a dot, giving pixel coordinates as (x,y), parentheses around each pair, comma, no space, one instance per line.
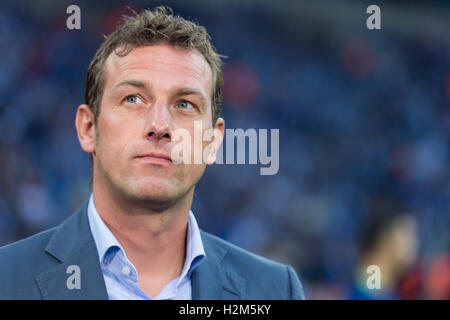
(155,77)
(390,243)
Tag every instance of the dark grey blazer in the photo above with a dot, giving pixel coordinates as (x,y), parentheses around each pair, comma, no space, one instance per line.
(37,268)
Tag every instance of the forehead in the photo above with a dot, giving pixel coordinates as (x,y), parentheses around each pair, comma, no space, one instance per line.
(163,66)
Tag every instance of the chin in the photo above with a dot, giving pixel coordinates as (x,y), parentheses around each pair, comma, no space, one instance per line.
(156,201)
(153,194)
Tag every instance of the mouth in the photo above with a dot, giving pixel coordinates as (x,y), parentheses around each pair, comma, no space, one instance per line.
(155,158)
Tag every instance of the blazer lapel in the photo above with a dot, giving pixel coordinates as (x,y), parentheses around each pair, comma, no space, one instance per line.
(211,280)
(73,246)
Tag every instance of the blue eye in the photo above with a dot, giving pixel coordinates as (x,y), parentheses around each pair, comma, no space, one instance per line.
(184,105)
(133,99)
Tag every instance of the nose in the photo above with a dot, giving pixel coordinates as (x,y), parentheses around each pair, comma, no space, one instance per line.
(158,125)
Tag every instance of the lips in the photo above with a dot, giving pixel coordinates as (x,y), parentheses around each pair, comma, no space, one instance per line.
(156,158)
(156,155)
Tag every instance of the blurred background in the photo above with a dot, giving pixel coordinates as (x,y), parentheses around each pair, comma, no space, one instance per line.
(364,120)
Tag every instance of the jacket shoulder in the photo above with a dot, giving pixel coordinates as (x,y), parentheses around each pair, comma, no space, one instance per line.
(16,251)
(21,262)
(261,274)
(241,255)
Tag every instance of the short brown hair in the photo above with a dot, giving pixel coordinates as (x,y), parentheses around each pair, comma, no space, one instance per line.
(151,27)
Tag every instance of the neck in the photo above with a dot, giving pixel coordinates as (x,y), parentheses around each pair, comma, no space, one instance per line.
(153,240)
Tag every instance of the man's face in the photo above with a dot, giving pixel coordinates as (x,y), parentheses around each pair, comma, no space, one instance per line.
(148,95)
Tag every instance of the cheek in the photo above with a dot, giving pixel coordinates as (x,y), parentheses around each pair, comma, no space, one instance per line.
(185,137)
(114,137)
(200,142)
(192,174)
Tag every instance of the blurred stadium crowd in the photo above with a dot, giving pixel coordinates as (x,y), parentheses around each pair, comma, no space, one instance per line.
(364,123)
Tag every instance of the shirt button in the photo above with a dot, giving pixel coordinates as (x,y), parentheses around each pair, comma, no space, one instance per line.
(126,270)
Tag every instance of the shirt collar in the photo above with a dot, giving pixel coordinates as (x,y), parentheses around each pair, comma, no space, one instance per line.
(104,239)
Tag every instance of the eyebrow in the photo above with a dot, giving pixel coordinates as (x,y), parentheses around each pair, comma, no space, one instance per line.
(187,92)
(177,92)
(133,83)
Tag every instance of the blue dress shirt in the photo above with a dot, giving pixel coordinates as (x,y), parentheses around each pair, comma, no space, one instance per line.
(121,278)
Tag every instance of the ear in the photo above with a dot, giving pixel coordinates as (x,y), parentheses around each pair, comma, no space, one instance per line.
(85,124)
(219,130)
